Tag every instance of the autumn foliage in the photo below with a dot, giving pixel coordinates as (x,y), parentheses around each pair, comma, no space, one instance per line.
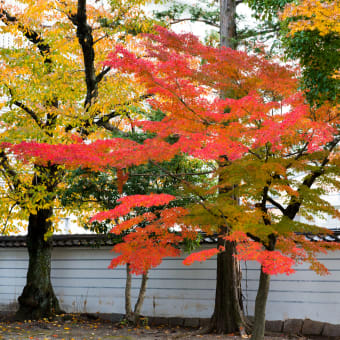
(150,238)
(323,16)
(274,147)
(55,89)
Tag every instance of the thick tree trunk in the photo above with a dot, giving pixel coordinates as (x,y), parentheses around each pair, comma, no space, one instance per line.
(228,316)
(228,32)
(38,299)
(260,307)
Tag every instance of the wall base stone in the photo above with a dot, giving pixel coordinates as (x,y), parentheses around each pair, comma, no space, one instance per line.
(292,326)
(158,321)
(173,322)
(204,322)
(311,327)
(331,330)
(191,322)
(305,327)
(274,326)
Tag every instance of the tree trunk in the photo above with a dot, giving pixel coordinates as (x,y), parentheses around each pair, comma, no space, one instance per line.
(228,32)
(134,316)
(228,314)
(260,307)
(128,309)
(141,296)
(38,299)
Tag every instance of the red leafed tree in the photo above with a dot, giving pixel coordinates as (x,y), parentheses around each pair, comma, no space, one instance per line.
(281,155)
(149,239)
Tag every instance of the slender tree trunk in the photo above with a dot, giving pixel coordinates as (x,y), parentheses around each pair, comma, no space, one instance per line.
(38,299)
(133,316)
(141,297)
(260,307)
(128,309)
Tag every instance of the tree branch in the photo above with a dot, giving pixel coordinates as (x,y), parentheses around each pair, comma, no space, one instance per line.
(295,203)
(276,204)
(8,172)
(211,23)
(101,75)
(8,216)
(182,174)
(31,113)
(33,36)
(85,38)
(253,33)
(104,120)
(255,154)
(101,38)
(106,125)
(202,199)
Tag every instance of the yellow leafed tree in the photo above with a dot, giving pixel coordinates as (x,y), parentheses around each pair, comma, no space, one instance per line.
(54,88)
(323,16)
(313,37)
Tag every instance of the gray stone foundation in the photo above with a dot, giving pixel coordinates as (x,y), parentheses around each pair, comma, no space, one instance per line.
(289,326)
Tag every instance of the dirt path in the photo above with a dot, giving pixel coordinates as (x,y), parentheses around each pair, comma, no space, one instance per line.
(76,327)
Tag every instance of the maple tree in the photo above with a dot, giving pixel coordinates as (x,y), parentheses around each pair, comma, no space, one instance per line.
(228,316)
(264,139)
(150,238)
(55,89)
(280,151)
(148,225)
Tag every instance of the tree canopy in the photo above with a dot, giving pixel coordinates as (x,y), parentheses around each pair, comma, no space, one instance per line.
(269,128)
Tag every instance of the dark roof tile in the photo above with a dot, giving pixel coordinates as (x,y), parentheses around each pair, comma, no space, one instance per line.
(94,240)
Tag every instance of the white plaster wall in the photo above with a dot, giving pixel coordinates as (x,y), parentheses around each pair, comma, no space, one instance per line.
(301,295)
(84,284)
